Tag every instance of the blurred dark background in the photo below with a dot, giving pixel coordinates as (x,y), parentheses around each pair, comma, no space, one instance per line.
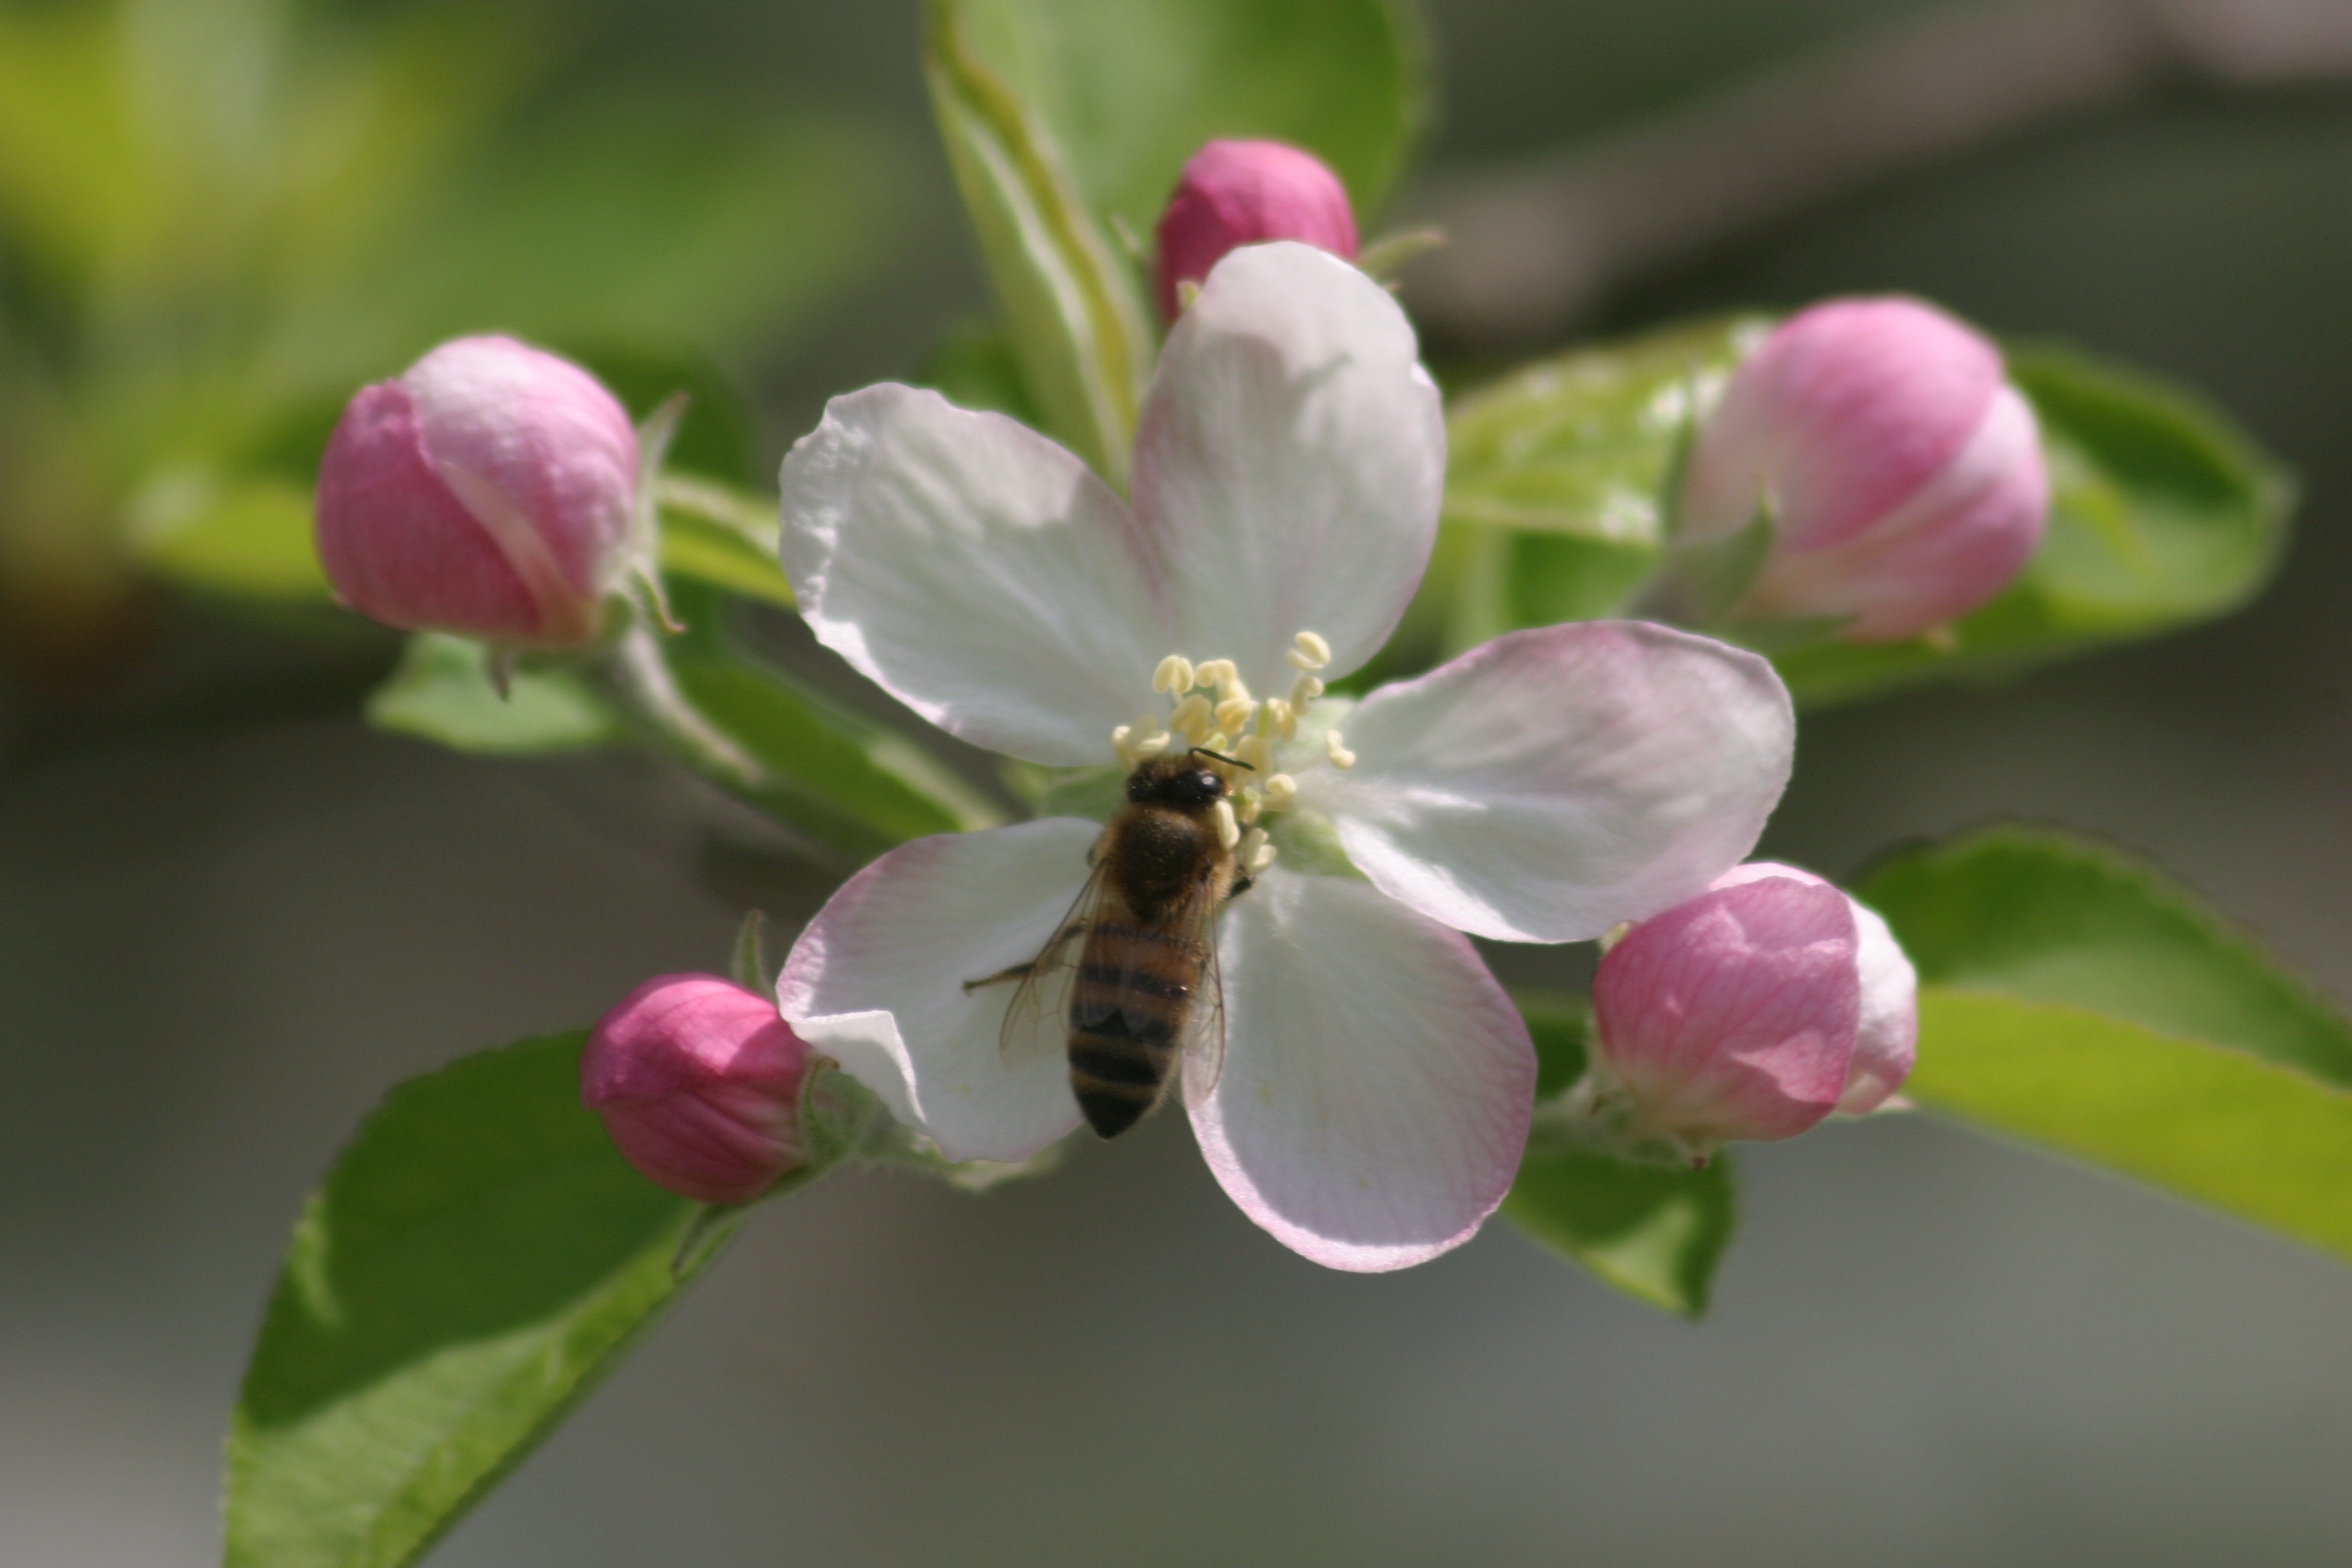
(230,916)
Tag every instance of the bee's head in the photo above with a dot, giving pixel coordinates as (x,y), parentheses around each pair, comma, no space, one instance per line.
(1184,782)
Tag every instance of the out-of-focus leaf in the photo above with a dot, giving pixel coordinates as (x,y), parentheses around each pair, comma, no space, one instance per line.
(2078,1000)
(636,220)
(1071,305)
(442,692)
(828,761)
(476,1258)
(1554,474)
(2246,1136)
(1655,1234)
(251,537)
(1128,89)
(2163,514)
(718,535)
(975,366)
(2043,916)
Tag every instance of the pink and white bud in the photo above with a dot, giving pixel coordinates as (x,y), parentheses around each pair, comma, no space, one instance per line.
(698,1082)
(1233,193)
(1903,473)
(489,490)
(1755,1010)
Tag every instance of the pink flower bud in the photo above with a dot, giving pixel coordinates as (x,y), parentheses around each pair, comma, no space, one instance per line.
(1233,193)
(1755,1010)
(489,490)
(699,1081)
(1903,473)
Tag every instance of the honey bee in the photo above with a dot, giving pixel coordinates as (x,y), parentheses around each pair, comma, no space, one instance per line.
(1129,983)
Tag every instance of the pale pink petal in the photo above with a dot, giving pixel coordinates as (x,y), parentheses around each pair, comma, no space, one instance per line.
(1552,782)
(1888,1042)
(975,570)
(1290,462)
(1377,1081)
(1734,1015)
(876,982)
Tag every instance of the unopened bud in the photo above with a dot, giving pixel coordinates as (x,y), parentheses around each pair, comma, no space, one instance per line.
(1755,1010)
(1902,474)
(698,1082)
(489,490)
(1233,193)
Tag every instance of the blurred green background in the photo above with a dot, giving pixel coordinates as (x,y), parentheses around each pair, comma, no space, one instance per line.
(230,915)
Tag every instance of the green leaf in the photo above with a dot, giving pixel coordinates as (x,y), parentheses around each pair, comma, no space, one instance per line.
(476,1258)
(2077,999)
(1555,473)
(2163,514)
(2245,1136)
(251,537)
(2041,916)
(1654,1233)
(1130,88)
(1072,307)
(720,535)
(442,692)
(835,766)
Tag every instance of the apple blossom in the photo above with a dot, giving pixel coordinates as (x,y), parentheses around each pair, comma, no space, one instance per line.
(1376,1082)
(1902,474)
(489,490)
(1233,193)
(698,1082)
(1753,1011)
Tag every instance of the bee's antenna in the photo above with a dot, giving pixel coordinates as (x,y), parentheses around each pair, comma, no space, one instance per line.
(1204,751)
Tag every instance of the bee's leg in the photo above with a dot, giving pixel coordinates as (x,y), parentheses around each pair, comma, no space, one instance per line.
(1022,971)
(1240,885)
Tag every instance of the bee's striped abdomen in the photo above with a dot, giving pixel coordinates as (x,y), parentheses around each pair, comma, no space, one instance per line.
(1134,990)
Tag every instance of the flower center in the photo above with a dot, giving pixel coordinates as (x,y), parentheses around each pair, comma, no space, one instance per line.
(1212,711)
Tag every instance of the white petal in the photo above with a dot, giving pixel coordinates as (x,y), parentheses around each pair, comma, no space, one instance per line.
(876,983)
(1289,463)
(974,570)
(1889,1039)
(1377,1081)
(1551,782)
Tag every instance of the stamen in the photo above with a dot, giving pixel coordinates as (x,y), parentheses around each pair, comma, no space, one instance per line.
(1151,745)
(1234,714)
(1340,756)
(1305,690)
(1218,740)
(1215,672)
(1312,653)
(1253,750)
(1252,842)
(1249,809)
(1191,719)
(1279,718)
(1127,753)
(1280,792)
(1174,675)
(1229,831)
(1259,860)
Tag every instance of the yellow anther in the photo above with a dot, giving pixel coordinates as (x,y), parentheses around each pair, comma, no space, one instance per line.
(1252,842)
(1260,860)
(1249,809)
(1229,831)
(1218,740)
(1252,749)
(1303,692)
(1215,672)
(1312,653)
(1235,713)
(1119,743)
(1340,756)
(1191,719)
(1280,792)
(1278,718)
(1151,745)
(1174,675)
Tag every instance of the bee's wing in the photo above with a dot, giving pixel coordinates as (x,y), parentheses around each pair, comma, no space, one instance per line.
(1204,1035)
(1037,1018)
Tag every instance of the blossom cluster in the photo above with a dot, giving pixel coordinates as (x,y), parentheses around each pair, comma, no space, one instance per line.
(1356,1079)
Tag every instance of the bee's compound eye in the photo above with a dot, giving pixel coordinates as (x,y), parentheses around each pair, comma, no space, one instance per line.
(1201,787)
